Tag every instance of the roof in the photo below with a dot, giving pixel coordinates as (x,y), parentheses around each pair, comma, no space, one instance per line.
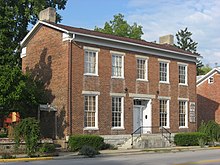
(80,31)
(203,78)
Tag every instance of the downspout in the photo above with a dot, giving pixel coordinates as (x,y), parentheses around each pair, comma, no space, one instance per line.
(70,86)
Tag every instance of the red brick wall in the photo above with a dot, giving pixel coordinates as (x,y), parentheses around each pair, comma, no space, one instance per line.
(47,59)
(208,100)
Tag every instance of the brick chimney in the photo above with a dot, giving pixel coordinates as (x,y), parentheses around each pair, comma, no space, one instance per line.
(48,14)
(167,39)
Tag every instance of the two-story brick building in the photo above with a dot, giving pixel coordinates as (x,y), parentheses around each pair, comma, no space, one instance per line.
(107,85)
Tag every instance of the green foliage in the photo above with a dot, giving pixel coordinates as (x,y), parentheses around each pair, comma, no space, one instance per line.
(185,42)
(211,129)
(203,70)
(120,27)
(76,142)
(189,139)
(88,151)
(18,92)
(3,135)
(15,16)
(28,130)
(47,148)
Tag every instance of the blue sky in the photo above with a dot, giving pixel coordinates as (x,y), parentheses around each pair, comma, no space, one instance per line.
(158,18)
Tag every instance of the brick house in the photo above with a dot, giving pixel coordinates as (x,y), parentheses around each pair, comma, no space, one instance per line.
(105,84)
(208,96)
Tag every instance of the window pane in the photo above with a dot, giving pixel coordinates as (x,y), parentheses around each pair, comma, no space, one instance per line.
(116,111)
(163,113)
(182,113)
(89,111)
(116,66)
(141,69)
(163,71)
(182,74)
(90,62)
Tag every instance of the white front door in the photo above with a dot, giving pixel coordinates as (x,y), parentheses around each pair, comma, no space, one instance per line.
(142,116)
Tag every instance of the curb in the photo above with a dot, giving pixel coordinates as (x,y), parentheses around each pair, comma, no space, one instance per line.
(25,159)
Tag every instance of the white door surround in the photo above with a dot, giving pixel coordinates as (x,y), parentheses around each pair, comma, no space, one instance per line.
(142,115)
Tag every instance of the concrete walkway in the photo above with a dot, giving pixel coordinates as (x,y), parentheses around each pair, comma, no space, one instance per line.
(74,155)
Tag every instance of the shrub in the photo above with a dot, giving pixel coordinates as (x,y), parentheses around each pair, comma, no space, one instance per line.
(29,131)
(211,129)
(189,139)
(88,151)
(8,156)
(47,148)
(76,142)
(3,135)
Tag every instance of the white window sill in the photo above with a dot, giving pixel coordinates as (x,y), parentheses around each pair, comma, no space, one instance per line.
(164,82)
(117,128)
(183,127)
(114,77)
(183,84)
(90,74)
(166,127)
(90,129)
(145,80)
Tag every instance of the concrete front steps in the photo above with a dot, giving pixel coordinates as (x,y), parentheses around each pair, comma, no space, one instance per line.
(143,141)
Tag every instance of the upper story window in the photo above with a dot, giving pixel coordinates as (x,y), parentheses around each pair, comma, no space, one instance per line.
(164,71)
(211,80)
(182,74)
(117,65)
(90,61)
(141,69)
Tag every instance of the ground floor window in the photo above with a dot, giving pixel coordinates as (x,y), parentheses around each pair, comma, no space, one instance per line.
(182,114)
(164,113)
(117,112)
(90,111)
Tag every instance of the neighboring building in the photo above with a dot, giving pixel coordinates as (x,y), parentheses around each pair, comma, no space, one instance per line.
(208,96)
(105,84)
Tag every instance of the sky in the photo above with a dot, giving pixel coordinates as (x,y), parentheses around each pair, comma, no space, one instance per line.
(157,17)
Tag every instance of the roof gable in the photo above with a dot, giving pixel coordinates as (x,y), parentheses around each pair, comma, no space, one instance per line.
(207,76)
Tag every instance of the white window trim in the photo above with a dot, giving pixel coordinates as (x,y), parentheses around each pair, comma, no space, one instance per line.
(96,114)
(168,113)
(186,115)
(186,74)
(97,50)
(122,56)
(23,52)
(146,67)
(122,115)
(168,70)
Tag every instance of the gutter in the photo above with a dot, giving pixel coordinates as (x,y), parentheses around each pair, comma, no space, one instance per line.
(70,85)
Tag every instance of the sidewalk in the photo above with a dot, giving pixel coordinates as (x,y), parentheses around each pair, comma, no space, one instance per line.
(104,153)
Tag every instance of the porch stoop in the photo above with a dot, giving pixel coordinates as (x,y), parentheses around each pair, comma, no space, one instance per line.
(143,141)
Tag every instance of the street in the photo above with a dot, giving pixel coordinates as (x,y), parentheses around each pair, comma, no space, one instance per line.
(203,157)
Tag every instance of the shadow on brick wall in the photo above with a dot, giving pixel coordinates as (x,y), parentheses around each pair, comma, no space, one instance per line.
(61,123)
(206,109)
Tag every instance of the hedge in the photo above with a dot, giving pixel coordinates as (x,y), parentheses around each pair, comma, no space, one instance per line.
(76,142)
(189,139)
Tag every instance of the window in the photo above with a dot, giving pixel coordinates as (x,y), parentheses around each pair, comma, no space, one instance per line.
(117,66)
(164,113)
(183,114)
(141,69)
(90,111)
(91,62)
(117,112)
(211,80)
(164,71)
(182,74)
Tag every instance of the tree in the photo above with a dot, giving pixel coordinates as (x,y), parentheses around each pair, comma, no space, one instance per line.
(203,70)
(185,42)
(120,27)
(15,16)
(19,92)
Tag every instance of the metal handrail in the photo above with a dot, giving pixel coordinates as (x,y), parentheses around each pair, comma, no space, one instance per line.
(161,130)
